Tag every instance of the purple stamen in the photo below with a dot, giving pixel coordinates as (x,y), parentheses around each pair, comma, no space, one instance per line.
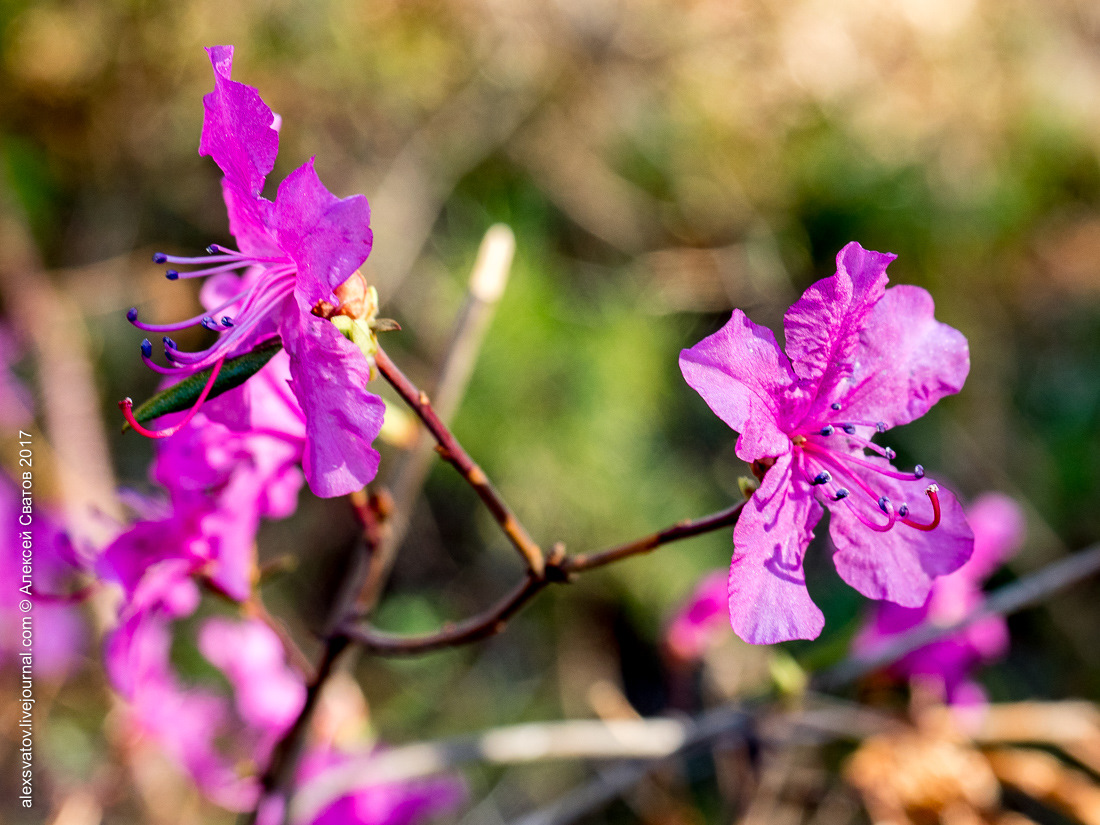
(227,321)
(903,511)
(146,347)
(918,472)
(885,505)
(160,258)
(822,478)
(131,314)
(849,428)
(835,405)
(172,275)
(840,493)
(827,430)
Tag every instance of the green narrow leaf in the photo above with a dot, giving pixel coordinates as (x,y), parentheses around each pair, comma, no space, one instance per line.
(234,372)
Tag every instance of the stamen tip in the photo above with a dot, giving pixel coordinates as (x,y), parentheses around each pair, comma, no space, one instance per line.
(918,471)
(227,321)
(903,511)
(160,258)
(848,428)
(889,453)
(171,275)
(885,505)
(822,478)
(835,405)
(169,343)
(841,493)
(146,347)
(827,430)
(213,249)
(880,426)
(131,314)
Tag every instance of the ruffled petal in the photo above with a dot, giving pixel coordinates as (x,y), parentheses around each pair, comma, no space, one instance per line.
(251,220)
(238,131)
(745,379)
(898,565)
(823,327)
(329,377)
(906,360)
(327,238)
(768,599)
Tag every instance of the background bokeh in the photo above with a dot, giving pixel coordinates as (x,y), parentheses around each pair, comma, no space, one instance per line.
(660,163)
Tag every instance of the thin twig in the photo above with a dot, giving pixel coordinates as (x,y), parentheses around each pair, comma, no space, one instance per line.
(685,529)
(559,568)
(486,624)
(453,452)
(487,282)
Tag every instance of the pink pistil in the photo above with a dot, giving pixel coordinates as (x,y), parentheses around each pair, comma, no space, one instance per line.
(127,407)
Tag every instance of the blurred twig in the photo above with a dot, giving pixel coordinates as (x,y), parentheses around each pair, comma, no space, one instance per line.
(70,406)
(1008,599)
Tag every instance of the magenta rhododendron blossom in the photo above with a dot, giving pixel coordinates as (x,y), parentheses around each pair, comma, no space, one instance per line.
(297,251)
(998,526)
(859,360)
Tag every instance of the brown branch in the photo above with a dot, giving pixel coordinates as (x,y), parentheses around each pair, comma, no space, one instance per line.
(487,282)
(452,451)
(682,530)
(478,627)
(559,568)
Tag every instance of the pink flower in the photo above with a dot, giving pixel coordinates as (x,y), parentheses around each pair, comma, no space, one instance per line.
(299,252)
(998,526)
(381,803)
(695,626)
(859,360)
(199,729)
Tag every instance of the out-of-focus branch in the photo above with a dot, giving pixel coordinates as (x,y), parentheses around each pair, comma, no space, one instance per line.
(454,453)
(487,282)
(70,406)
(1023,593)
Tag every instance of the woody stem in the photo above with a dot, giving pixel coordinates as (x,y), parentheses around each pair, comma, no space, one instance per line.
(452,452)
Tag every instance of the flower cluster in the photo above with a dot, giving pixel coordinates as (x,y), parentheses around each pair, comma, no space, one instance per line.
(299,256)
(860,359)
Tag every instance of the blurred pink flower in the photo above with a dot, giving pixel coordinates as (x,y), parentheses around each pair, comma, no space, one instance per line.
(998,525)
(702,618)
(859,360)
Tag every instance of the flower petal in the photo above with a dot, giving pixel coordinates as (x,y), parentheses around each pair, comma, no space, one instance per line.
(898,565)
(329,376)
(237,131)
(823,327)
(768,599)
(906,360)
(744,377)
(328,238)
